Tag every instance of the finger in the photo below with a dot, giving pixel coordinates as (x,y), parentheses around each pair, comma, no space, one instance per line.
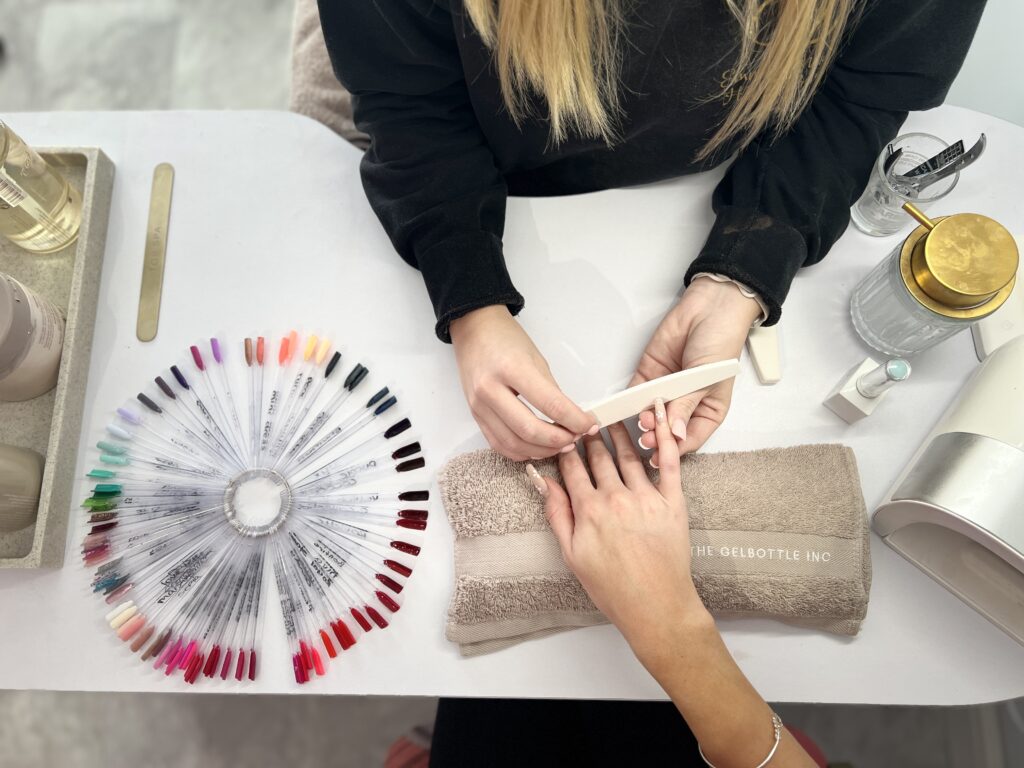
(602,466)
(678,413)
(668,453)
(631,468)
(506,442)
(525,425)
(574,473)
(698,431)
(645,421)
(557,508)
(544,395)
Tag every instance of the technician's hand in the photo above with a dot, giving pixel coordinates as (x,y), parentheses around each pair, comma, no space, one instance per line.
(498,363)
(709,323)
(626,539)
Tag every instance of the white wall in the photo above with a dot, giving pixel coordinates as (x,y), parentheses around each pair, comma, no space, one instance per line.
(992,78)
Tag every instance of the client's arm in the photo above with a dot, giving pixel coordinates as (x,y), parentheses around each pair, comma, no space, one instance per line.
(627,540)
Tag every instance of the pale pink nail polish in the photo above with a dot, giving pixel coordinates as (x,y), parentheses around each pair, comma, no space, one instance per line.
(659,410)
(569,447)
(679,429)
(593,430)
(653,462)
(537,480)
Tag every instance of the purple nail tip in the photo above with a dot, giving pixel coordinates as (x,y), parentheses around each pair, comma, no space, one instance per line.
(215,348)
(128,416)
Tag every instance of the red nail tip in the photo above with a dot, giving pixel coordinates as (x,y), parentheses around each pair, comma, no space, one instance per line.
(297,668)
(103,527)
(193,669)
(318,663)
(240,664)
(387,602)
(328,645)
(414,525)
(379,620)
(388,582)
(307,659)
(402,546)
(361,620)
(398,567)
(224,670)
(345,637)
(413,514)
(198,358)
(252,663)
(211,661)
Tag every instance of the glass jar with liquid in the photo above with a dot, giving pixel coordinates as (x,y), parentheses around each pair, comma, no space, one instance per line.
(946,275)
(39,210)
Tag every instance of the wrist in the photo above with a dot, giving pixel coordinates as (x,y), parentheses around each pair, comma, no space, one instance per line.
(464,325)
(725,296)
(676,631)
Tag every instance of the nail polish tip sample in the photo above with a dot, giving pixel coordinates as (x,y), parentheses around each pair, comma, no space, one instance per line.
(215,349)
(197,358)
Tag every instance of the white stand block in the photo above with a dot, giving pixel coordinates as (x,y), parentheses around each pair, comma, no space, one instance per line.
(763,348)
(849,404)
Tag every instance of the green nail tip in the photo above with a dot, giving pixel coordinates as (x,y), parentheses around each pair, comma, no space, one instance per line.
(114,488)
(112,448)
(120,461)
(99,505)
(104,474)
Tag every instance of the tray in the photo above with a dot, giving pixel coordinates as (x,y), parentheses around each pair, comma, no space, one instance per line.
(51,424)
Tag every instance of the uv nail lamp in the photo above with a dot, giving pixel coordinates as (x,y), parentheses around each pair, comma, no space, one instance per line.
(957,511)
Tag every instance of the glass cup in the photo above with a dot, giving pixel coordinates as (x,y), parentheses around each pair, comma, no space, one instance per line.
(39,210)
(879,211)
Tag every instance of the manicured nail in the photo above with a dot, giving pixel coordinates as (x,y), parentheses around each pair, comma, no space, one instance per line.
(659,411)
(593,430)
(679,429)
(640,425)
(537,480)
(653,462)
(569,447)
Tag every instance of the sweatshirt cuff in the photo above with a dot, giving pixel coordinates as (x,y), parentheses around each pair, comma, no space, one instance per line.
(466,273)
(750,246)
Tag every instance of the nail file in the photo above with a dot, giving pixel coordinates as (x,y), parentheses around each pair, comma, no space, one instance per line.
(763,348)
(632,401)
(156,249)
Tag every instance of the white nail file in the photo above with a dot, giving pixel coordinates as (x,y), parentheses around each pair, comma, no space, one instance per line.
(630,402)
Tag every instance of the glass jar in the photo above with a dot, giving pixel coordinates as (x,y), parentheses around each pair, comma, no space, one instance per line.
(39,210)
(947,274)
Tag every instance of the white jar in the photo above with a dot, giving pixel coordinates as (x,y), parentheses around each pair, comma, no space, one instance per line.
(31,339)
(21,475)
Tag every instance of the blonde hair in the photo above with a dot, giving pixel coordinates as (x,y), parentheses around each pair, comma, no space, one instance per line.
(568,52)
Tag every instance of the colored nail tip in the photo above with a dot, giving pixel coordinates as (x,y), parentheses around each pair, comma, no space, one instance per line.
(412,525)
(310,349)
(335,359)
(536,480)
(101,473)
(226,668)
(165,388)
(328,645)
(397,428)
(679,429)
(197,357)
(345,637)
(321,351)
(379,620)
(282,351)
(318,664)
(360,620)
(130,416)
(180,377)
(215,349)
(260,349)
(252,664)
(406,450)
(118,431)
(388,582)
(411,464)
(399,568)
(387,601)
(247,347)
(112,448)
(414,514)
(403,546)
(414,496)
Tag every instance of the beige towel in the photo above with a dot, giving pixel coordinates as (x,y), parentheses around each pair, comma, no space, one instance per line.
(315,91)
(781,533)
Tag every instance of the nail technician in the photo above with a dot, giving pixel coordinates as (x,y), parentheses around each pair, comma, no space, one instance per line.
(469,101)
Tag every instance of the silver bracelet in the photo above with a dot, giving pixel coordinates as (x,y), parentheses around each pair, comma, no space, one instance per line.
(776,725)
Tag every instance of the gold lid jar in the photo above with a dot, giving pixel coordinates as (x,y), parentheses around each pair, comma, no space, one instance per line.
(962,266)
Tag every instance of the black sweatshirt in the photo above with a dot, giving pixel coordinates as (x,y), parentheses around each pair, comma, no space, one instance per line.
(444,153)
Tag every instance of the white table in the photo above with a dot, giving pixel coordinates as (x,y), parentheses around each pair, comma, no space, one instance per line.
(270,229)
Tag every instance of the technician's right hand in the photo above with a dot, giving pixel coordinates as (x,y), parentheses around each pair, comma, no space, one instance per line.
(498,363)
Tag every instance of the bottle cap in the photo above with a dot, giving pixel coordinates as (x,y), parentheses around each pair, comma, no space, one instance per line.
(962,266)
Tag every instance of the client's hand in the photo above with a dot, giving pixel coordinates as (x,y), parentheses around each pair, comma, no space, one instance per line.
(709,323)
(497,363)
(626,539)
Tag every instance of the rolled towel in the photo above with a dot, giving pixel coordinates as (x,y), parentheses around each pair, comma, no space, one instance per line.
(780,533)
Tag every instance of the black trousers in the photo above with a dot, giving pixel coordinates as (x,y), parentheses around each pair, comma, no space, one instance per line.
(528,733)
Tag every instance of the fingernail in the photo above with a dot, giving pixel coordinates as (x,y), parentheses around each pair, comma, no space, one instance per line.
(642,446)
(569,447)
(659,411)
(593,430)
(641,427)
(653,463)
(679,429)
(537,480)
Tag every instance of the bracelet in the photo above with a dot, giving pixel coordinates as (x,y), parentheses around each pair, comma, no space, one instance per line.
(776,726)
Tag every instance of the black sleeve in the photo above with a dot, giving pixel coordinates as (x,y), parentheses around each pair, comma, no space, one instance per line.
(782,205)
(429,174)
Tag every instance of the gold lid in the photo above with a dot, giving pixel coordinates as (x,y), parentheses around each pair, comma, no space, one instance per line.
(962,266)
